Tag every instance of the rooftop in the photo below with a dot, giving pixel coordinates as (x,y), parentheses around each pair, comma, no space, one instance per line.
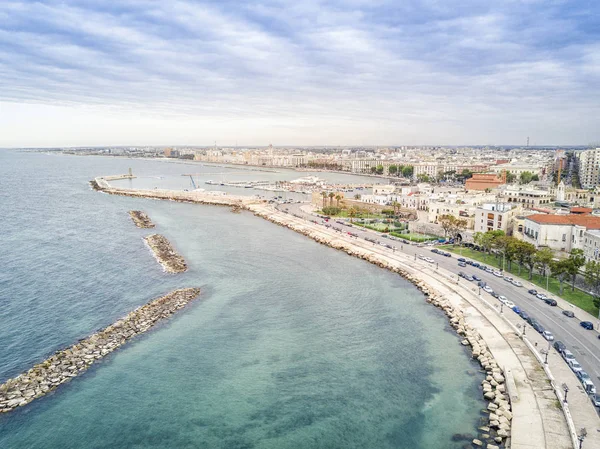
(587,221)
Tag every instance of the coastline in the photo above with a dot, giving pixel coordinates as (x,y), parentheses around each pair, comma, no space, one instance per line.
(73,361)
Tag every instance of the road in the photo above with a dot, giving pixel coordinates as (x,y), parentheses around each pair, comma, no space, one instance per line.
(584,344)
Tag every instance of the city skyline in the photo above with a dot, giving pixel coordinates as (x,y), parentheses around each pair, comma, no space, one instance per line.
(335,74)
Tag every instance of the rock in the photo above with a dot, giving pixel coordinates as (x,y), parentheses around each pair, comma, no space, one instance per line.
(477,442)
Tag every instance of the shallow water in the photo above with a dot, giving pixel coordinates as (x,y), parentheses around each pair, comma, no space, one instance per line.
(291,344)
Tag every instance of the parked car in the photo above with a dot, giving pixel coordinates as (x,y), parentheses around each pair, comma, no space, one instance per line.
(495,295)
(497,273)
(461,274)
(462,264)
(435,250)
(541,296)
(475,264)
(509,304)
(595,400)
(532,291)
(507,278)
(524,315)
(516,283)
(559,346)
(550,302)
(502,299)
(468,277)
(489,270)
(462,259)
(575,366)
(477,278)
(538,327)
(480,283)
(488,289)
(568,355)
(586,381)
(548,335)
(568,313)
(587,325)
(482,267)
(516,310)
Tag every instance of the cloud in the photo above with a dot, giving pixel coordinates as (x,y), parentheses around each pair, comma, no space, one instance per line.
(302,72)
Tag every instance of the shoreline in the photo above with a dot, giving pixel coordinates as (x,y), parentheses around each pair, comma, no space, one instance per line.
(73,361)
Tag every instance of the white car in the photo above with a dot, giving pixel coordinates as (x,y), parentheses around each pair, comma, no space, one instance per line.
(509,304)
(508,279)
(548,335)
(488,289)
(421,256)
(516,283)
(497,274)
(502,299)
(575,366)
(429,259)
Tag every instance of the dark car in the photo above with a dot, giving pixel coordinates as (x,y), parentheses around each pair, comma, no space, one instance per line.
(480,283)
(524,315)
(461,274)
(559,346)
(482,267)
(468,277)
(435,250)
(532,292)
(495,295)
(475,264)
(538,327)
(447,254)
(462,259)
(587,325)
(568,313)
(531,320)
(550,301)
(477,278)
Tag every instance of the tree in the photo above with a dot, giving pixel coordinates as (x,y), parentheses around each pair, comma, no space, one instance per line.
(407,171)
(331,197)
(526,256)
(525,177)
(466,174)
(422,177)
(575,261)
(543,259)
(338,198)
(446,222)
(592,280)
(324,195)
(560,270)
(373,169)
(352,212)
(510,177)
(460,224)
(478,238)
(357,197)
(393,169)
(535,177)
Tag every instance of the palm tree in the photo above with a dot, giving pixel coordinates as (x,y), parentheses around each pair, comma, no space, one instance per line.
(338,198)
(352,213)
(331,197)
(324,195)
(357,196)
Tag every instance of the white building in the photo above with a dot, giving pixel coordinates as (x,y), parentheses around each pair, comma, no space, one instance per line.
(495,217)
(589,168)
(559,232)
(591,245)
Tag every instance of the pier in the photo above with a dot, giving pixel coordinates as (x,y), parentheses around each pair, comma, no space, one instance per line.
(170,259)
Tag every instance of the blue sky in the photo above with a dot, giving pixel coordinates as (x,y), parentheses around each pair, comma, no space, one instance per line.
(353,72)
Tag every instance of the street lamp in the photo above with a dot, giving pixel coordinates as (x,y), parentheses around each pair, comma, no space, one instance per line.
(524,329)
(479,291)
(581,437)
(566,390)
(501,308)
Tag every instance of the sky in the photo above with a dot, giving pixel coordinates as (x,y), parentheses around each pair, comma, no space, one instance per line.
(338,72)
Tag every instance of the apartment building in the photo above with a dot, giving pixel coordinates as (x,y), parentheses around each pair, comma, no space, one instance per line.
(495,217)
(559,232)
(589,168)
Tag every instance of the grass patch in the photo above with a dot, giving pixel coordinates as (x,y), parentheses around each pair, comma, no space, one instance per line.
(414,237)
(380,227)
(577,297)
(344,214)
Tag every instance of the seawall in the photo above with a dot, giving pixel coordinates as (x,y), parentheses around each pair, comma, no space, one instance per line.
(76,359)
(170,259)
(140,219)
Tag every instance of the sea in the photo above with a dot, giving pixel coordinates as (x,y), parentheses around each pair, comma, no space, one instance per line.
(290,344)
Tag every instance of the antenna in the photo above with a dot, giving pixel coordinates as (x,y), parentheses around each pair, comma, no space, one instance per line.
(528,141)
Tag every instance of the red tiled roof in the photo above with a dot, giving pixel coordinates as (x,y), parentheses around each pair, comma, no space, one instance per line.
(580,210)
(587,221)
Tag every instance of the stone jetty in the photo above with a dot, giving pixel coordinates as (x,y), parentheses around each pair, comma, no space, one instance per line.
(170,259)
(140,219)
(75,360)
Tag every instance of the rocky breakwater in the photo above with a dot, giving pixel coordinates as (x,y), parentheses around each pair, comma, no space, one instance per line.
(73,361)
(495,427)
(140,219)
(172,261)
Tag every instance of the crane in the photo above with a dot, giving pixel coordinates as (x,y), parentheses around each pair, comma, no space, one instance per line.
(193,182)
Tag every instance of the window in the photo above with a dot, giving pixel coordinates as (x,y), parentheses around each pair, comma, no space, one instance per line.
(564,239)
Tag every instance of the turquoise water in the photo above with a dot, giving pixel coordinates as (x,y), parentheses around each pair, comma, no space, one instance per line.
(290,345)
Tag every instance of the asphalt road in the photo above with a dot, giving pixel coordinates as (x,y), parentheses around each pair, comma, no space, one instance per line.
(584,344)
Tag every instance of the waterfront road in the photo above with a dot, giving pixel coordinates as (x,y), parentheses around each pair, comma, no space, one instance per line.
(584,344)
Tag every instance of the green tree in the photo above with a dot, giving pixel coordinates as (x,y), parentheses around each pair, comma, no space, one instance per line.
(331,197)
(352,212)
(447,223)
(575,261)
(525,177)
(357,196)
(324,195)
(535,177)
(592,280)
(393,169)
(407,171)
(560,270)
(379,169)
(422,177)
(525,256)
(543,259)
(338,198)
(373,169)
(466,174)
(510,178)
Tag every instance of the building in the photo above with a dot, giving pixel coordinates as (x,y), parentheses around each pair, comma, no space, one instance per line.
(559,232)
(495,217)
(589,168)
(591,245)
(485,181)
(525,196)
